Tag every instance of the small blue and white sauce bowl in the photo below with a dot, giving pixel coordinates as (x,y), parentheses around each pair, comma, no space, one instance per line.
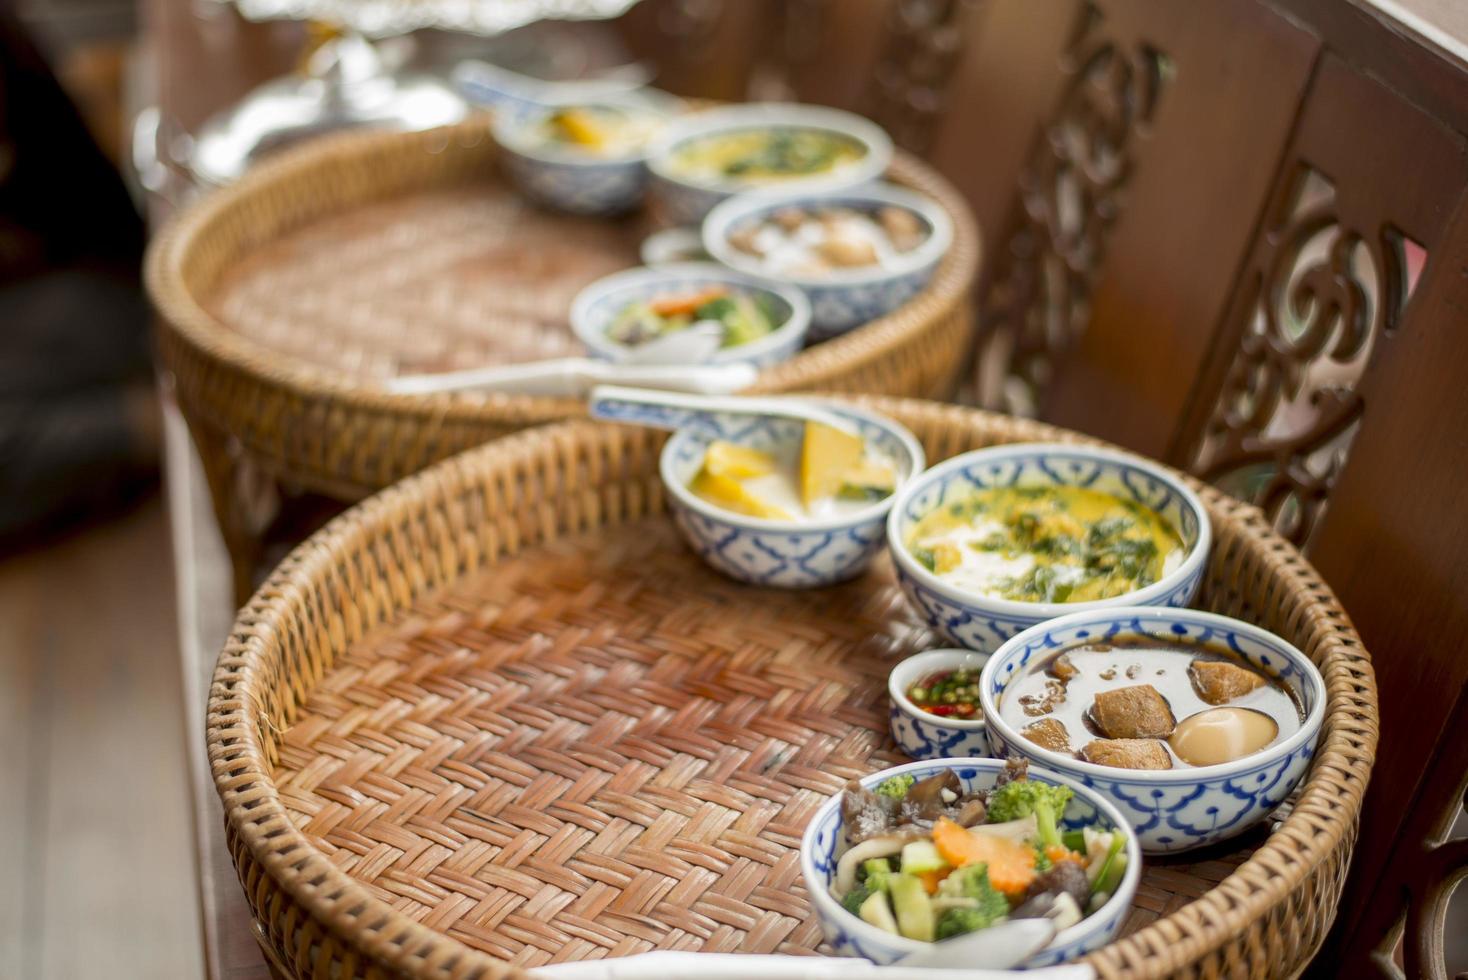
(840,298)
(982,622)
(1171,809)
(570,179)
(848,935)
(596,307)
(684,197)
(789,554)
(921,734)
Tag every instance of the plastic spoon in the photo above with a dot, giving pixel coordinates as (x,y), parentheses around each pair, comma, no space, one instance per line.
(674,410)
(672,362)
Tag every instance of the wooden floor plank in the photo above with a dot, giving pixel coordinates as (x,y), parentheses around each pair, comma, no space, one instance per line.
(18,745)
(109,886)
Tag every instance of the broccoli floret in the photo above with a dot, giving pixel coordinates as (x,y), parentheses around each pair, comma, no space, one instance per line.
(853,900)
(1042,860)
(971,881)
(896,786)
(956,922)
(1022,797)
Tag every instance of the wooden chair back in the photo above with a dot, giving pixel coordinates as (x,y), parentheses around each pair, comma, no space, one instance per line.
(1232,234)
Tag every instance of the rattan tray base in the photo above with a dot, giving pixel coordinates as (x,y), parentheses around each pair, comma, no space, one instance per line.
(440,280)
(600,747)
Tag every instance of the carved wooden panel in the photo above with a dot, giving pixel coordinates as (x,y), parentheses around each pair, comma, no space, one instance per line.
(702,48)
(911,80)
(1341,362)
(1325,284)
(1071,191)
(1432,858)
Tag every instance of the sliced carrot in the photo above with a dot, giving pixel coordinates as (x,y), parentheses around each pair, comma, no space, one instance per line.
(930,879)
(1059,852)
(676,303)
(1011,864)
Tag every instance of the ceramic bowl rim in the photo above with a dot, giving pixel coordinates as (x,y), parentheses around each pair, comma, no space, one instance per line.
(784,115)
(1309,726)
(508,126)
(687,498)
(1044,611)
(820,893)
(909,665)
(793,329)
(717,223)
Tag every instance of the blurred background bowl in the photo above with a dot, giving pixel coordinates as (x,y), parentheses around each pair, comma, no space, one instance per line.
(568,179)
(684,199)
(841,298)
(596,306)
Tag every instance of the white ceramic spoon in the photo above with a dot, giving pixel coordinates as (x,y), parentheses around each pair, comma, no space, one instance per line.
(674,410)
(667,965)
(674,362)
(998,947)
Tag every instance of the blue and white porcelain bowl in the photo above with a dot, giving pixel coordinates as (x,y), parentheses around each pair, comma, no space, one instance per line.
(1171,809)
(848,935)
(684,199)
(921,734)
(840,299)
(564,178)
(786,554)
(596,306)
(981,622)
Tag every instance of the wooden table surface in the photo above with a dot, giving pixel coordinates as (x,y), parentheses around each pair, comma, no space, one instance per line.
(205,613)
(201,58)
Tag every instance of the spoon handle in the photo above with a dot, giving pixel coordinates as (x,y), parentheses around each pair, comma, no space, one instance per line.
(571,377)
(674,410)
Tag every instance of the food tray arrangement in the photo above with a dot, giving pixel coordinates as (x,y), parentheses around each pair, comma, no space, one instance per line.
(290,298)
(499,717)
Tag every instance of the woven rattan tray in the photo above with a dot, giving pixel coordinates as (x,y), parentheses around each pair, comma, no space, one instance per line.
(499,716)
(287,299)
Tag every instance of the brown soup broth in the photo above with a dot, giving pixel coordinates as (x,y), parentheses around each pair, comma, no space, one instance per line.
(1130,660)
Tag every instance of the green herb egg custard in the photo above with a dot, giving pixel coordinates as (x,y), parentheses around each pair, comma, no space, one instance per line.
(1046,544)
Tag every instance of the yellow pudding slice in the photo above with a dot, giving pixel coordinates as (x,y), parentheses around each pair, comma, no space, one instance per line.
(737,462)
(729,493)
(826,457)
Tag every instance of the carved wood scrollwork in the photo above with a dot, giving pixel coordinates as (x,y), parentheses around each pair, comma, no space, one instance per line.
(910,80)
(1071,191)
(795,32)
(1321,293)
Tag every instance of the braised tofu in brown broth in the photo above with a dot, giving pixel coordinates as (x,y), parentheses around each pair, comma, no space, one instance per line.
(1142,703)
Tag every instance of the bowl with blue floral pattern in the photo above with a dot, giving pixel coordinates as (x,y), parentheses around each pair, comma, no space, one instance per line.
(825,844)
(763,323)
(795,553)
(1008,552)
(1185,806)
(705,157)
(583,157)
(857,254)
(931,728)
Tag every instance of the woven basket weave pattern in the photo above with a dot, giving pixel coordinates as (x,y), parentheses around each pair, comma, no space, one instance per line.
(422,614)
(298,393)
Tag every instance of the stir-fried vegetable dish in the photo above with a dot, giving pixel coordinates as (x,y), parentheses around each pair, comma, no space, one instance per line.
(927,860)
(743,317)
